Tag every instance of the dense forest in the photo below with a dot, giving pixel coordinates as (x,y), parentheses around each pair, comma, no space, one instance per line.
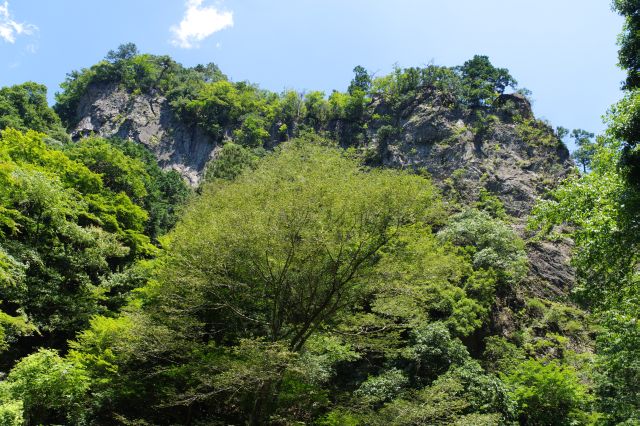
(317,272)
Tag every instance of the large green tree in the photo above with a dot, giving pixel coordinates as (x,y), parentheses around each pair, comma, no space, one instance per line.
(295,280)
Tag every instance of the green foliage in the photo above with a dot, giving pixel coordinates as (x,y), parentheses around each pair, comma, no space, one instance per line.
(24,107)
(297,269)
(586,148)
(217,106)
(134,72)
(230,162)
(403,86)
(462,391)
(629,41)
(361,81)
(491,204)
(624,117)
(252,131)
(618,369)
(204,97)
(482,82)
(624,126)
(11,410)
(317,109)
(500,355)
(537,133)
(119,172)
(601,208)
(548,393)
(50,389)
(317,224)
(491,243)
(435,351)
(299,287)
(63,232)
(127,167)
(124,52)
(425,279)
(382,388)
(11,413)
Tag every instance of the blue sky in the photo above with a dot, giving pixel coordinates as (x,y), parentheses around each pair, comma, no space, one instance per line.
(564,51)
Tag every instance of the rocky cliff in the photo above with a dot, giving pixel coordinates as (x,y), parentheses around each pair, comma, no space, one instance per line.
(109,111)
(507,152)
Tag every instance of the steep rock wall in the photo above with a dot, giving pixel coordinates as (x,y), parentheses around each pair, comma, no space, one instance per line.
(109,111)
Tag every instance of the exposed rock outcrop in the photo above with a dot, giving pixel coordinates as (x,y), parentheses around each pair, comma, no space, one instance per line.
(506,151)
(463,154)
(108,111)
(509,153)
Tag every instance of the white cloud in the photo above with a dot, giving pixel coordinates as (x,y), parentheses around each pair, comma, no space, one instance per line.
(199,23)
(9,28)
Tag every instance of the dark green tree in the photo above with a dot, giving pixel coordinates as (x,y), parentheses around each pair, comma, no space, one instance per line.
(586,148)
(361,80)
(625,115)
(630,41)
(124,52)
(483,82)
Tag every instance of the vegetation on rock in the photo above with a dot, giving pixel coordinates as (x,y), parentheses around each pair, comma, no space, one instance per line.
(305,281)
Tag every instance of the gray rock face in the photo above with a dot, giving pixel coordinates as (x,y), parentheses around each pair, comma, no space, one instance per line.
(463,156)
(108,111)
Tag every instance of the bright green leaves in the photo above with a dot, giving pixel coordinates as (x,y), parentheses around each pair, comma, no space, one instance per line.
(230,162)
(425,280)
(50,388)
(548,393)
(29,149)
(119,172)
(299,236)
(24,107)
(64,227)
(601,208)
(464,395)
(45,184)
(11,271)
(217,105)
(243,113)
(624,125)
(618,370)
(301,265)
(136,73)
